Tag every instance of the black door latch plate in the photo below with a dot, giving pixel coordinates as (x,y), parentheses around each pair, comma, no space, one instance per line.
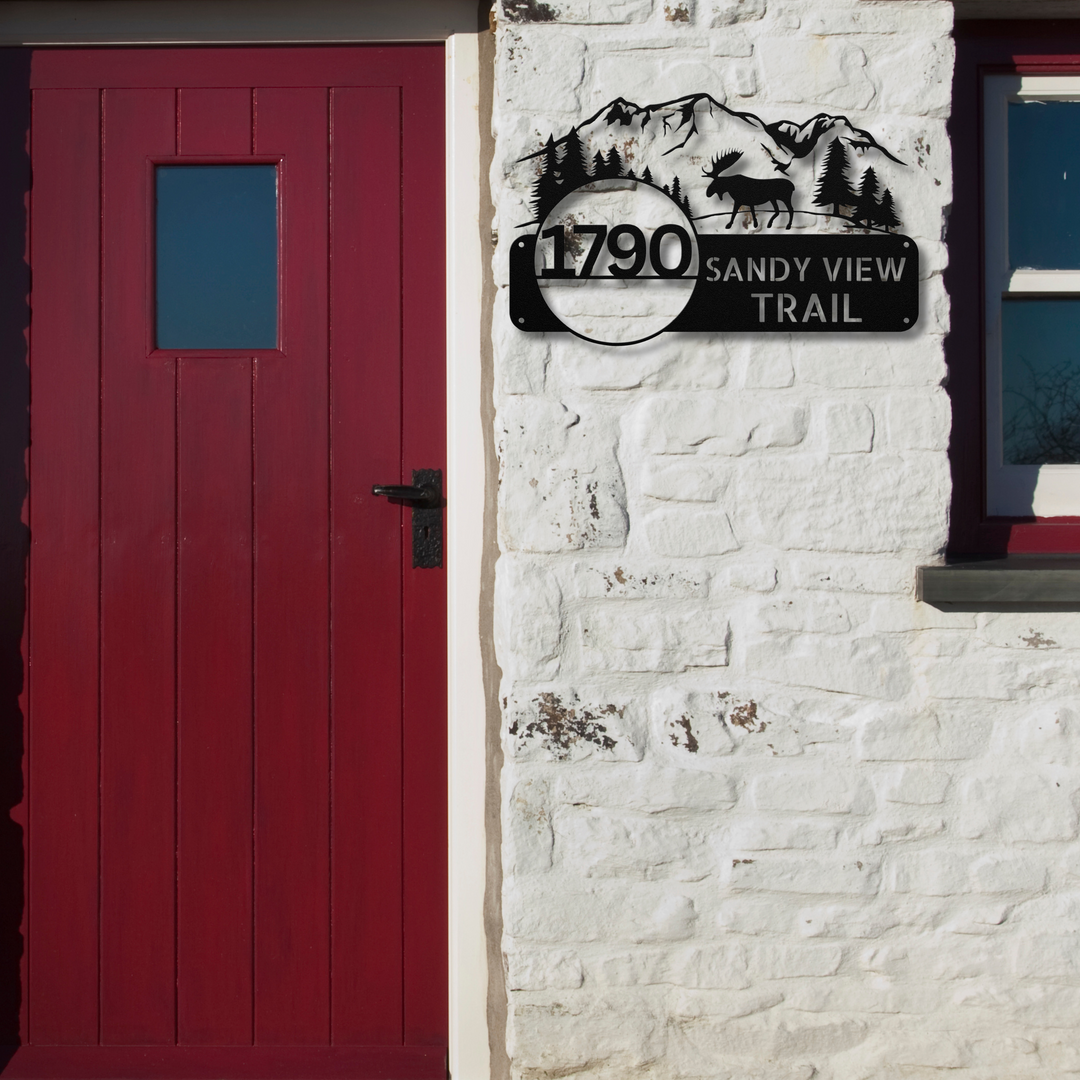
(427,523)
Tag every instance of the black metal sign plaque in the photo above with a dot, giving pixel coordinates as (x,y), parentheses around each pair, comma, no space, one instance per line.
(823,284)
(691,216)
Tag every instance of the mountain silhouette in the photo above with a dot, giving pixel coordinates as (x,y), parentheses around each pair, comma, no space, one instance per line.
(686,134)
(680,119)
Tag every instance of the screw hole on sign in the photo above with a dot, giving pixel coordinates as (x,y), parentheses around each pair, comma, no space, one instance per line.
(907,320)
(907,245)
(521,320)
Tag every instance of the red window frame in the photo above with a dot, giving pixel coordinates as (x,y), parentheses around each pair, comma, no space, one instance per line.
(1045,47)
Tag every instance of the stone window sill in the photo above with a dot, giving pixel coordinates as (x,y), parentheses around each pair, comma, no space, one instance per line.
(1009,583)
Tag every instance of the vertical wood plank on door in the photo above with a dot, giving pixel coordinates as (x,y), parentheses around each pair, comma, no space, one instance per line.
(214,887)
(138,583)
(214,121)
(292,616)
(366,583)
(214,688)
(424,591)
(63,660)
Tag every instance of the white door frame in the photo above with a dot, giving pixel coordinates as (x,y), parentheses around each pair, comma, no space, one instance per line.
(469,1054)
(182,22)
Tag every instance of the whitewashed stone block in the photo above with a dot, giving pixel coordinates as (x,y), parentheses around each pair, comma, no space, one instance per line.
(616,639)
(727,12)
(683,535)
(680,482)
(689,727)
(556,725)
(804,791)
(849,428)
(1018,807)
(711,424)
(751,575)
(523,67)
(793,961)
(1047,735)
(592,843)
(549,970)
(561,484)
(809,873)
(634,580)
(912,785)
(528,616)
(769,368)
(814,70)
(531,836)
(576,11)
(771,835)
(651,789)
(868,667)
(742,80)
(722,968)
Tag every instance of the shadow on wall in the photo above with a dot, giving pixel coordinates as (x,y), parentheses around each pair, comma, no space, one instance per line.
(14,535)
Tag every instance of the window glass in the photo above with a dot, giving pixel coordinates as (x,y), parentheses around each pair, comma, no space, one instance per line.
(1044,184)
(216,250)
(1041,381)
(1031,163)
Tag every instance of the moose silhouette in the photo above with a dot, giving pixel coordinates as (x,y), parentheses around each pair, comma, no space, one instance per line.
(748,191)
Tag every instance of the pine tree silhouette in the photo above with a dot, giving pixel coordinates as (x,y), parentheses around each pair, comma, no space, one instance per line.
(686,205)
(866,202)
(547,191)
(599,169)
(631,175)
(647,175)
(572,171)
(676,190)
(833,188)
(886,211)
(614,162)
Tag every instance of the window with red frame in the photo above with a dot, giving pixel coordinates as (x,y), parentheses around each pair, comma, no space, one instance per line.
(1014,280)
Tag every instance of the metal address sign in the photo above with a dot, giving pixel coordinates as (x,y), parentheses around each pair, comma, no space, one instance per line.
(625,247)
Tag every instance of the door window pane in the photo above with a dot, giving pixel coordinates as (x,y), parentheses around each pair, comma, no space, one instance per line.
(1044,184)
(1041,381)
(216,242)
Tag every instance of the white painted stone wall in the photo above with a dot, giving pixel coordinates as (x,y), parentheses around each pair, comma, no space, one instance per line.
(764,815)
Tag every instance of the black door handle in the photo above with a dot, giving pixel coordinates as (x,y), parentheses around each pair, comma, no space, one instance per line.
(424,495)
(418,494)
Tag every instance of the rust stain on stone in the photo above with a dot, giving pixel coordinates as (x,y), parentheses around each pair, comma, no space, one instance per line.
(678,13)
(691,738)
(746,717)
(561,726)
(526,11)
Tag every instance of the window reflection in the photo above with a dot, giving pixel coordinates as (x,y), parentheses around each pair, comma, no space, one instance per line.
(1044,184)
(1041,381)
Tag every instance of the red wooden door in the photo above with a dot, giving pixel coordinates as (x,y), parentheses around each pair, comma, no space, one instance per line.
(235,764)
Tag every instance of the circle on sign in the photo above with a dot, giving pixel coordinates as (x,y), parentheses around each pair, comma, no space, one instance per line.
(617,261)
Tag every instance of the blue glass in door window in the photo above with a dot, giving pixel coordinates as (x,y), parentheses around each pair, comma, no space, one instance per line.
(216,253)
